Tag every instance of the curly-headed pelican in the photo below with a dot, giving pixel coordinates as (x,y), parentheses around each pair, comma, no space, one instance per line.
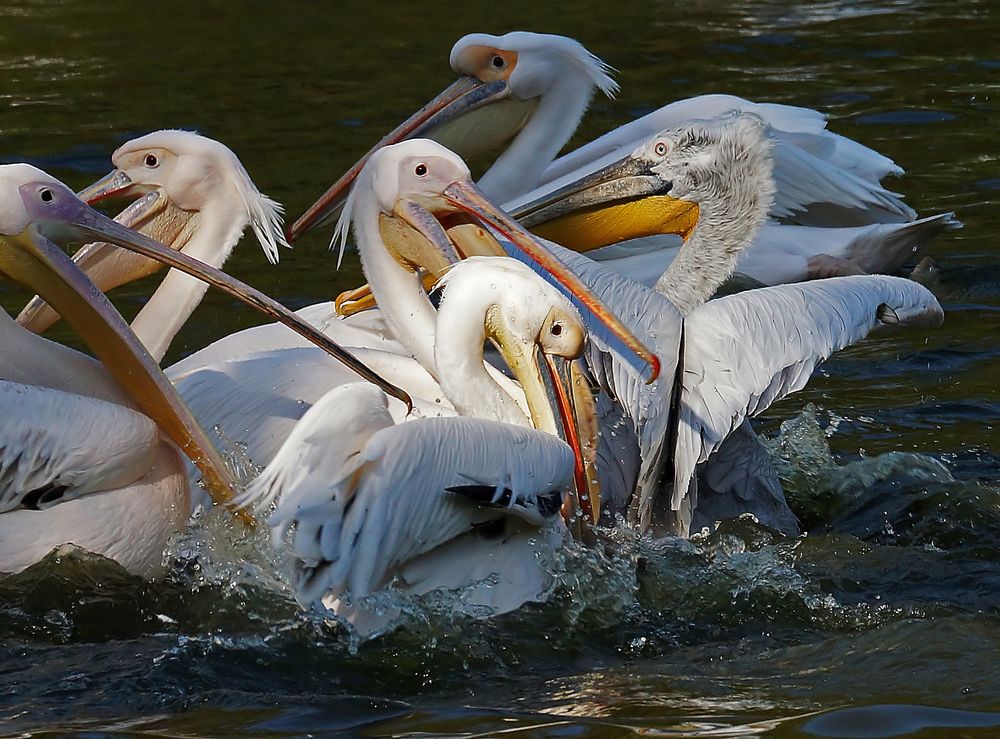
(731,357)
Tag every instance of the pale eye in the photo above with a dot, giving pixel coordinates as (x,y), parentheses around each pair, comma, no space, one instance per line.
(152,161)
(420,170)
(499,62)
(660,149)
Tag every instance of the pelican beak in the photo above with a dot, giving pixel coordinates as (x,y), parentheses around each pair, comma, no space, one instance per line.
(465,197)
(566,384)
(115,183)
(624,200)
(33,261)
(107,266)
(559,400)
(66,218)
(462,96)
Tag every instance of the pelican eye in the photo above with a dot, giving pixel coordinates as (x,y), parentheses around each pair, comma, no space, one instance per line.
(660,149)
(420,170)
(46,195)
(499,62)
(556,329)
(151,160)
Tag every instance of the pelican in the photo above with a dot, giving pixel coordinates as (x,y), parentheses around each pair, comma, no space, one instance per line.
(94,440)
(734,356)
(193,194)
(533,89)
(367,494)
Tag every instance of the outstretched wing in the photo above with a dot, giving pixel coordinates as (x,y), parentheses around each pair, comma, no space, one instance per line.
(361,496)
(56,446)
(744,352)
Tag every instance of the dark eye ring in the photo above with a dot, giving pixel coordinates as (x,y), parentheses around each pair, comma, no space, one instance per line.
(151,160)
(499,62)
(46,195)
(556,329)
(420,170)
(660,149)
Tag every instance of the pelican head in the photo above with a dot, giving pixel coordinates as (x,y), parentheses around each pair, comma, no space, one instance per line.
(503,81)
(194,174)
(718,169)
(191,192)
(539,334)
(422,188)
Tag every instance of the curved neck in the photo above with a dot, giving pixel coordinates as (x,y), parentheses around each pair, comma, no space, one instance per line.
(464,378)
(708,257)
(220,226)
(519,169)
(399,293)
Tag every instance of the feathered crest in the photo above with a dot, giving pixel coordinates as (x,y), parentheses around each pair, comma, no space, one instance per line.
(600,72)
(342,231)
(263,212)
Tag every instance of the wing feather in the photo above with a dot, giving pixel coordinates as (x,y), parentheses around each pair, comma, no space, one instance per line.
(744,352)
(56,446)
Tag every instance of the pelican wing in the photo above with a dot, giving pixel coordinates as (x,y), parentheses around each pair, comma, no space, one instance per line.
(812,165)
(739,478)
(362,496)
(744,352)
(56,446)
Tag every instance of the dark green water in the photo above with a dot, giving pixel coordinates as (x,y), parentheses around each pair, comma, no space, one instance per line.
(892,454)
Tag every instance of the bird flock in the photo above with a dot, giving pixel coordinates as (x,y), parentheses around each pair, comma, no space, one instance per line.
(537,356)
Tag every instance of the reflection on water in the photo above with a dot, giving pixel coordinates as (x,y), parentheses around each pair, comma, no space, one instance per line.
(890,455)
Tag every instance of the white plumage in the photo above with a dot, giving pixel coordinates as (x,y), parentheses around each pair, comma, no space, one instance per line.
(363,496)
(57,446)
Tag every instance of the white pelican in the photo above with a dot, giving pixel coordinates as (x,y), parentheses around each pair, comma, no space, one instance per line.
(366,494)
(193,194)
(71,428)
(534,88)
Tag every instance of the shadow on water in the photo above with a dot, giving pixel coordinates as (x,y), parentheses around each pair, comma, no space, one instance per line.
(882,621)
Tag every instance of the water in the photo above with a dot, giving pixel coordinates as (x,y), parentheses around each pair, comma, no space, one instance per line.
(882,621)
